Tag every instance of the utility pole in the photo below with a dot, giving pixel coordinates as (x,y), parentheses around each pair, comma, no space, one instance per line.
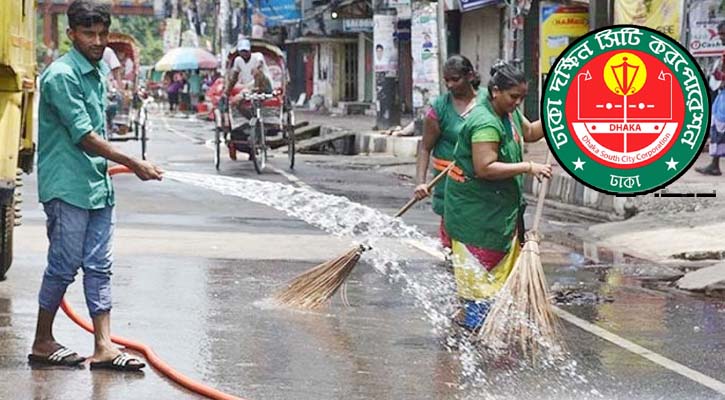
(223,24)
(601,13)
(442,41)
(386,65)
(245,19)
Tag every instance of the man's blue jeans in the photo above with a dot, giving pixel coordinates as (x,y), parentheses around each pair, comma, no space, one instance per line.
(79,238)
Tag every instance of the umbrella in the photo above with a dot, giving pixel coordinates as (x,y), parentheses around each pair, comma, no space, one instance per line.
(183,58)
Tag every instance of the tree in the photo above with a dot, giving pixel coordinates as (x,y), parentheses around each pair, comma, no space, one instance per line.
(146,32)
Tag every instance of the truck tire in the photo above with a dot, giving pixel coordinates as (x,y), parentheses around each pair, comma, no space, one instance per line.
(7,223)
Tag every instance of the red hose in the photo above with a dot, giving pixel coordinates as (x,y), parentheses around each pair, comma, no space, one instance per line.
(146,350)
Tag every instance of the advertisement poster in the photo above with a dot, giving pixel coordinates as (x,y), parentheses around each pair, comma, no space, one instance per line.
(662,15)
(172,34)
(424,46)
(560,25)
(278,12)
(386,53)
(403,8)
(703,39)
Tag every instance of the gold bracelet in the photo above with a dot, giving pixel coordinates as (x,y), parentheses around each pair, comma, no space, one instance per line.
(531,167)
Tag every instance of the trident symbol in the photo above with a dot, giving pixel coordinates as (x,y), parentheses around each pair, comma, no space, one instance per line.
(624,83)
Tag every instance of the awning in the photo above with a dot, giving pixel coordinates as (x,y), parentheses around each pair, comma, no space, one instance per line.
(470,5)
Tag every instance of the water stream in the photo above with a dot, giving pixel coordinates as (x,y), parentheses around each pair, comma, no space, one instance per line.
(554,376)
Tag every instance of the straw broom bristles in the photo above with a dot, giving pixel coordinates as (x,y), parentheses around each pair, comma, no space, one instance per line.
(521,316)
(313,288)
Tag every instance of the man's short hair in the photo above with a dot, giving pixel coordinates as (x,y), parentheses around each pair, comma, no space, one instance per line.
(88,12)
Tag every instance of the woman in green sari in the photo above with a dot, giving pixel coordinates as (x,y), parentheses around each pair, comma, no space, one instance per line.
(483,197)
(442,125)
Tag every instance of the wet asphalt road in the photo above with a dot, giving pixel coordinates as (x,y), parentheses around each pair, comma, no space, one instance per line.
(194,271)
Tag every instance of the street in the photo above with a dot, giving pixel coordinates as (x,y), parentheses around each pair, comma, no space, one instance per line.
(195,270)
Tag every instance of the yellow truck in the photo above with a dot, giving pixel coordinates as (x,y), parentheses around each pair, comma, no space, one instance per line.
(18,73)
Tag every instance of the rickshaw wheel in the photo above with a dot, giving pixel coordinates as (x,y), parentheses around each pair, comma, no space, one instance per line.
(258,146)
(217,139)
(136,128)
(217,147)
(144,140)
(290,127)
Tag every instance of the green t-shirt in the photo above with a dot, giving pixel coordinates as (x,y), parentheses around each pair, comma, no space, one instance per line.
(450,123)
(479,212)
(72,104)
(194,83)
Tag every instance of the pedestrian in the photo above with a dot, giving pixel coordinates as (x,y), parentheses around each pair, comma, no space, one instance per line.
(114,87)
(116,75)
(483,197)
(173,89)
(717,124)
(441,127)
(184,96)
(76,190)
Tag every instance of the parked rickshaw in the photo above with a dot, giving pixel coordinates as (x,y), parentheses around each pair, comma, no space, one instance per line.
(130,121)
(273,115)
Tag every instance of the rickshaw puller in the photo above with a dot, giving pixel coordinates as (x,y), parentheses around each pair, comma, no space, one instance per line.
(250,71)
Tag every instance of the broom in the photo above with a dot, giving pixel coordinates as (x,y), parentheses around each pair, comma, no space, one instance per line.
(521,315)
(314,287)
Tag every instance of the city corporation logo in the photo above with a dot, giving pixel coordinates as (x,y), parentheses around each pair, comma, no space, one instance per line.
(625,110)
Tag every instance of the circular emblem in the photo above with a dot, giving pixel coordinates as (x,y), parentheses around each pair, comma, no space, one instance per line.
(625,110)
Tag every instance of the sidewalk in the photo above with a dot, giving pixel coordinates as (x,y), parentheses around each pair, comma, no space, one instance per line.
(367,139)
(660,229)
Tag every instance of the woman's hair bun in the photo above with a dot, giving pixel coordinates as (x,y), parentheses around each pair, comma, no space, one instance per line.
(498,66)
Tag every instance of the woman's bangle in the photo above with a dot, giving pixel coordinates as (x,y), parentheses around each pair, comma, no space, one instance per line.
(531,167)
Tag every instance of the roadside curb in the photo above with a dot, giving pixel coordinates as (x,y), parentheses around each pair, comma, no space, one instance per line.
(566,190)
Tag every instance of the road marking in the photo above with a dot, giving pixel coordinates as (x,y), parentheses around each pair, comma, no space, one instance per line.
(175,132)
(658,359)
(426,249)
(615,339)
(295,180)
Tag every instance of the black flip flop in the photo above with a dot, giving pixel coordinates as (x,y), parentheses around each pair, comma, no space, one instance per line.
(122,362)
(63,356)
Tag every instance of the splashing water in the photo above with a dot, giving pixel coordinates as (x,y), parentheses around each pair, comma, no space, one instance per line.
(433,291)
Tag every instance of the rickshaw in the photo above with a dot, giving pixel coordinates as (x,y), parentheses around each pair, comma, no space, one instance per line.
(130,104)
(273,114)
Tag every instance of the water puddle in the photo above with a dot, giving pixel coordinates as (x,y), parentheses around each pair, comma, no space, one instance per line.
(481,375)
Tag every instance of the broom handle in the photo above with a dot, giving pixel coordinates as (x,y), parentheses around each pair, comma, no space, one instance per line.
(542,194)
(430,186)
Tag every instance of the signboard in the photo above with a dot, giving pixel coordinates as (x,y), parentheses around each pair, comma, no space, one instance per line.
(159,9)
(468,5)
(385,50)
(279,12)
(703,39)
(189,39)
(560,25)
(357,25)
(424,48)
(403,8)
(662,15)
(172,34)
